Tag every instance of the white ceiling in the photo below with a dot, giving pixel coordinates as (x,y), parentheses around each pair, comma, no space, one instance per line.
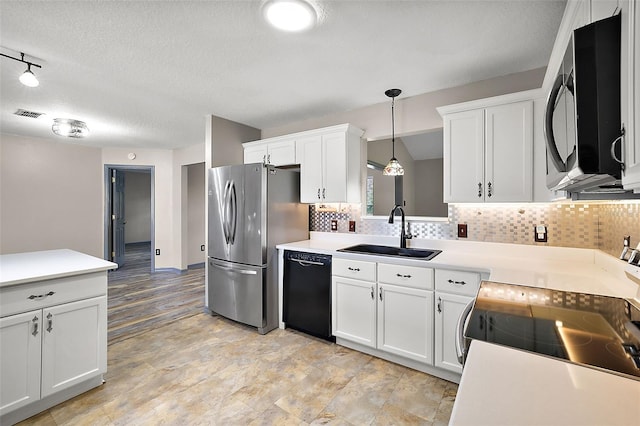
(146,73)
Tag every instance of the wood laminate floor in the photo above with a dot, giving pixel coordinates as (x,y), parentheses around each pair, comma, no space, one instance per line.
(171,363)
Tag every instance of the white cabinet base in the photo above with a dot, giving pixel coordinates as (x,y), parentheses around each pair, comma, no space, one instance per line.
(50,401)
(416,365)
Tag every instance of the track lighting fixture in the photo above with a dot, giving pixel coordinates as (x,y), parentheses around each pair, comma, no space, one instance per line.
(27,78)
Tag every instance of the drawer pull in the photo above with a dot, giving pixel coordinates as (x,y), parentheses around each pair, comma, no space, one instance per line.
(372,296)
(50,322)
(353,269)
(35,326)
(456,282)
(403,276)
(41,296)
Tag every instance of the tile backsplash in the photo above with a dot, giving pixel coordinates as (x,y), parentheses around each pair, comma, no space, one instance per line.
(599,225)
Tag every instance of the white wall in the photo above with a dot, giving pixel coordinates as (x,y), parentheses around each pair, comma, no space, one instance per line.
(195,222)
(137,206)
(170,196)
(50,196)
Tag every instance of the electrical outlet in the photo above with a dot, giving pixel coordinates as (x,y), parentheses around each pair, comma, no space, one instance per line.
(352,226)
(157,252)
(462,230)
(540,234)
(202,247)
(334,225)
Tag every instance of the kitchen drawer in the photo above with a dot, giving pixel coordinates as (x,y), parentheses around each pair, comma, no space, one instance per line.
(15,299)
(460,282)
(355,269)
(408,276)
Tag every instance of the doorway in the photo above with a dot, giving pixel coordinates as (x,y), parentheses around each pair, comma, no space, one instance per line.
(129,211)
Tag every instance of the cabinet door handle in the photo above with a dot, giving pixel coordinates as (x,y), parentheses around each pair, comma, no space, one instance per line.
(318,193)
(613,149)
(353,269)
(324,190)
(49,322)
(489,190)
(456,282)
(269,159)
(41,296)
(490,323)
(35,326)
(439,304)
(403,276)
(479,189)
(380,293)
(264,159)
(372,296)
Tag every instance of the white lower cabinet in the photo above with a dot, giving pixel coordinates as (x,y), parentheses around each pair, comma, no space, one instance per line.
(20,349)
(386,307)
(48,350)
(449,307)
(354,310)
(454,290)
(53,342)
(405,322)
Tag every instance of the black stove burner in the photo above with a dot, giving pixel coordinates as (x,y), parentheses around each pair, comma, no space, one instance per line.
(582,328)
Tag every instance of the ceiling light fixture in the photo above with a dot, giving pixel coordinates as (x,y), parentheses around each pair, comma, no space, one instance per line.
(27,78)
(393,168)
(70,128)
(290,15)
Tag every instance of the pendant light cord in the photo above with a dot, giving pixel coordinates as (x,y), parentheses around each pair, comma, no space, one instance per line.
(393,130)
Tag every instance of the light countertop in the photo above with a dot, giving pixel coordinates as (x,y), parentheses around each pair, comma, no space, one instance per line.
(504,386)
(567,269)
(22,268)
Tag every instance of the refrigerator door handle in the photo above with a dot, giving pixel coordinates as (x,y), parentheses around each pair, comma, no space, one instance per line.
(230,269)
(225,212)
(234,210)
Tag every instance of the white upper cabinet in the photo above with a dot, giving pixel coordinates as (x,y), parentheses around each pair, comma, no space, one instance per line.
(277,152)
(488,151)
(630,92)
(331,165)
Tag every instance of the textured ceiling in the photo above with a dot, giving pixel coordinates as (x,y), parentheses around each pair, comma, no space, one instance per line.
(146,73)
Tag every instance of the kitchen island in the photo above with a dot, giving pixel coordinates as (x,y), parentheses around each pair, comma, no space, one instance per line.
(53,329)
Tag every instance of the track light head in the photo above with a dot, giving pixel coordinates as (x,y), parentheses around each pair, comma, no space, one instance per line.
(28,78)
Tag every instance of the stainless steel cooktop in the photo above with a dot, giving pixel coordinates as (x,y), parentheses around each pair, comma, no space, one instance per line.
(587,329)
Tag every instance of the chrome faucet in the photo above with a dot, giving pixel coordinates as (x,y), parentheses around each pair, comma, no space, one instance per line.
(403,235)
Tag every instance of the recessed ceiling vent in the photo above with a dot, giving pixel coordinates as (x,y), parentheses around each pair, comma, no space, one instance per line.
(30,114)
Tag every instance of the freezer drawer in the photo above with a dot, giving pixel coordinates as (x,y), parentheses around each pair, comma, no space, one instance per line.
(236,292)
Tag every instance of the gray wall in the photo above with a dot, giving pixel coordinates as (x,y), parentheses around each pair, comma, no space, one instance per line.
(50,196)
(137,205)
(428,185)
(196,198)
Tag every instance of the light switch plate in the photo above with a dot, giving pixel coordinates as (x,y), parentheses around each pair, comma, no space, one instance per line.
(540,234)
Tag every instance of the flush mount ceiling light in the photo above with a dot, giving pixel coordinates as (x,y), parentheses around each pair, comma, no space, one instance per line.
(290,15)
(393,168)
(27,78)
(70,128)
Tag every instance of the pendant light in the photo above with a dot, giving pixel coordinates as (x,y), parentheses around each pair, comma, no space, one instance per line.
(393,168)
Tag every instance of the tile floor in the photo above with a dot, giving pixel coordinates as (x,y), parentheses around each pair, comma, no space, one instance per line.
(206,370)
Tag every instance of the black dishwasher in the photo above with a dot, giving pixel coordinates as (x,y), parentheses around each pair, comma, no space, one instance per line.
(307,293)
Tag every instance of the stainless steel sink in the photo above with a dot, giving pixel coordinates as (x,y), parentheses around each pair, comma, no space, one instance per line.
(421,254)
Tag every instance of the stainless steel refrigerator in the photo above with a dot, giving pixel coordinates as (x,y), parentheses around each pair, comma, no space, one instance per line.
(252,207)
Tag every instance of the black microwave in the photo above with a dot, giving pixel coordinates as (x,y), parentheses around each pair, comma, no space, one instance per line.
(582,120)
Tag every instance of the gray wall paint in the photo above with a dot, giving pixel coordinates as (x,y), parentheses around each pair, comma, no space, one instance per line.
(429,182)
(418,113)
(195,215)
(50,196)
(137,205)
